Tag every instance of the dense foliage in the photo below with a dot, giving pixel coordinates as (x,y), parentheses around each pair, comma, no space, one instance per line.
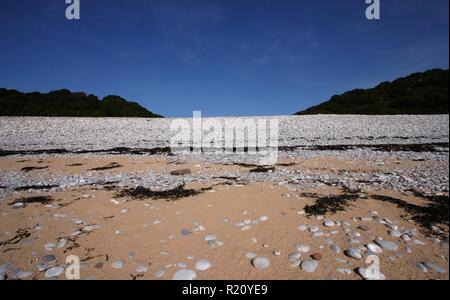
(418,93)
(64,103)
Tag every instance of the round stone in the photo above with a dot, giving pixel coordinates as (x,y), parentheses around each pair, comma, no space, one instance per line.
(263,218)
(49,246)
(24,274)
(159,273)
(184,274)
(18,205)
(363,228)
(313,228)
(210,237)
(302,248)
(294,258)
(316,256)
(186,232)
(335,249)
(309,266)
(54,272)
(406,237)
(246,227)
(49,258)
(344,271)
(395,233)
(370,275)
(374,248)
(261,262)
(329,223)
(118,264)
(387,245)
(141,269)
(42,266)
(302,227)
(202,265)
(434,267)
(353,253)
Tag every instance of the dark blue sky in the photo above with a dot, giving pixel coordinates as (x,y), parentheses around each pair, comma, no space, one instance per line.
(231,57)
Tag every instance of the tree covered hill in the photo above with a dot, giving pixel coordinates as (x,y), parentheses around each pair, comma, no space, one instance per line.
(418,93)
(64,103)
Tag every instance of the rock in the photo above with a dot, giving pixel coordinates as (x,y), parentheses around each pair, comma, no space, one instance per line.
(214,243)
(159,273)
(387,245)
(202,265)
(374,248)
(263,218)
(118,264)
(302,248)
(42,266)
(344,271)
(420,266)
(353,253)
(276,252)
(24,274)
(309,266)
(62,243)
(418,242)
(251,255)
(294,258)
(49,246)
(261,262)
(335,249)
(98,265)
(406,237)
(89,228)
(54,272)
(141,269)
(210,237)
(302,227)
(316,256)
(329,223)
(49,258)
(363,228)
(18,205)
(246,228)
(395,233)
(318,234)
(313,228)
(180,172)
(370,275)
(434,267)
(184,274)
(186,232)
(366,219)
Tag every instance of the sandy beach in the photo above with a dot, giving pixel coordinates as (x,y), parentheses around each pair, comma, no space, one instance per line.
(219,220)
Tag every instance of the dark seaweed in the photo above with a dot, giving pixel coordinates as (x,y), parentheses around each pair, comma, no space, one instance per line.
(262,169)
(141,193)
(435,212)
(39,199)
(29,169)
(330,204)
(35,187)
(107,167)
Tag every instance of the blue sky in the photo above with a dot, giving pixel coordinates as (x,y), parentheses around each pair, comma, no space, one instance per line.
(231,57)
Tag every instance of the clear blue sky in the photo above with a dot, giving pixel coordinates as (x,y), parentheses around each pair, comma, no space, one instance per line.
(230,57)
